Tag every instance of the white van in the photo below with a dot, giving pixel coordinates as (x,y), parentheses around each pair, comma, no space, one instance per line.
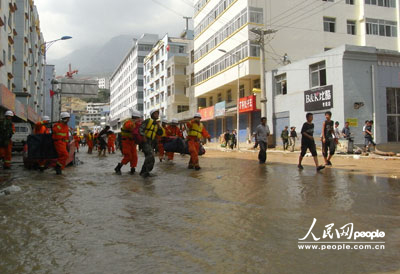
(19,139)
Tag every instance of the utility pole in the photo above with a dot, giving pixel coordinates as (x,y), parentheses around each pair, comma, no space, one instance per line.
(261,41)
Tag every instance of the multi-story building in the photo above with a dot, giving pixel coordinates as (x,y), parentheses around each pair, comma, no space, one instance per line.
(95,112)
(355,83)
(126,83)
(303,29)
(313,27)
(104,83)
(225,25)
(7,41)
(29,69)
(190,99)
(165,77)
(21,61)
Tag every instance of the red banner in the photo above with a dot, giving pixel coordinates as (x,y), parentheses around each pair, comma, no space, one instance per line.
(207,113)
(247,104)
(7,98)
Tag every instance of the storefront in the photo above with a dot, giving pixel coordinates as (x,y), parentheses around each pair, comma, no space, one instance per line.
(354,83)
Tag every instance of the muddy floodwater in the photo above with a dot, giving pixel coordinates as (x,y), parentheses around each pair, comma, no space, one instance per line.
(233,216)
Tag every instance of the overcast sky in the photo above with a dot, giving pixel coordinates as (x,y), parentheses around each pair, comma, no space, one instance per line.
(92,22)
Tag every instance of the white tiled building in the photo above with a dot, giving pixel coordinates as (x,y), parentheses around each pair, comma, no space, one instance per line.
(126,83)
(104,83)
(164,77)
(95,112)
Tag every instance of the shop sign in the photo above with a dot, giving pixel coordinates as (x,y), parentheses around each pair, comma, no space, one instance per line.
(318,99)
(207,113)
(7,98)
(247,104)
(353,122)
(20,110)
(220,109)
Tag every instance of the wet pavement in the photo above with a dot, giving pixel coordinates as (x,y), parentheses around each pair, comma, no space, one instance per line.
(233,216)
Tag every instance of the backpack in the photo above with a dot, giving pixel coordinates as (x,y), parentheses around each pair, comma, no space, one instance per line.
(6,132)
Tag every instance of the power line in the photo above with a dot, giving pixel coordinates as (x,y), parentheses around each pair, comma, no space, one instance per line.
(294,7)
(308,15)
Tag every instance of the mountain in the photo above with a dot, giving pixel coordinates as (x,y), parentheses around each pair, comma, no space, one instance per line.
(96,60)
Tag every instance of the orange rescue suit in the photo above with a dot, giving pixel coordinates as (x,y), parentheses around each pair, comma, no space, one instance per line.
(195,131)
(61,140)
(40,128)
(172,131)
(111,142)
(5,152)
(77,139)
(129,149)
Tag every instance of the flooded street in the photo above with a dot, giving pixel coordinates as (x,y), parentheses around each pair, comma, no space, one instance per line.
(233,216)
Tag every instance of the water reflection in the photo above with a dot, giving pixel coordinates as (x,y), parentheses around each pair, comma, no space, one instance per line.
(233,216)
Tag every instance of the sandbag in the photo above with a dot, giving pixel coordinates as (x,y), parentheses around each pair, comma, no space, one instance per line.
(41,147)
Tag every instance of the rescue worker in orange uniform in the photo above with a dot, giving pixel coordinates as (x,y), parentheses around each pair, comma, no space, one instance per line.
(61,140)
(173,131)
(41,128)
(129,145)
(7,130)
(89,142)
(111,142)
(77,139)
(196,131)
(160,139)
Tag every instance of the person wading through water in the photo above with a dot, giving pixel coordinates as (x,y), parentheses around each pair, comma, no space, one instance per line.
(149,129)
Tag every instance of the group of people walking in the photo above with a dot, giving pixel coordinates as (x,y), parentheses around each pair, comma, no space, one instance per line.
(153,133)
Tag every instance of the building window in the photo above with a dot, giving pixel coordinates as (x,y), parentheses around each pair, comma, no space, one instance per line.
(281,84)
(169,72)
(183,108)
(241,91)
(229,96)
(192,79)
(169,91)
(329,24)
(219,98)
(257,83)
(318,74)
(326,49)
(181,49)
(393,114)
(350,2)
(210,101)
(381,27)
(382,3)
(351,27)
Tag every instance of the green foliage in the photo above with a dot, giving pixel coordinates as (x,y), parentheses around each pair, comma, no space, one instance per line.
(103,97)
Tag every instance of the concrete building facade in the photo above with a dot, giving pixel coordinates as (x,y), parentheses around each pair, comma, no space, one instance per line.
(304,28)
(354,83)
(21,60)
(321,25)
(126,83)
(165,77)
